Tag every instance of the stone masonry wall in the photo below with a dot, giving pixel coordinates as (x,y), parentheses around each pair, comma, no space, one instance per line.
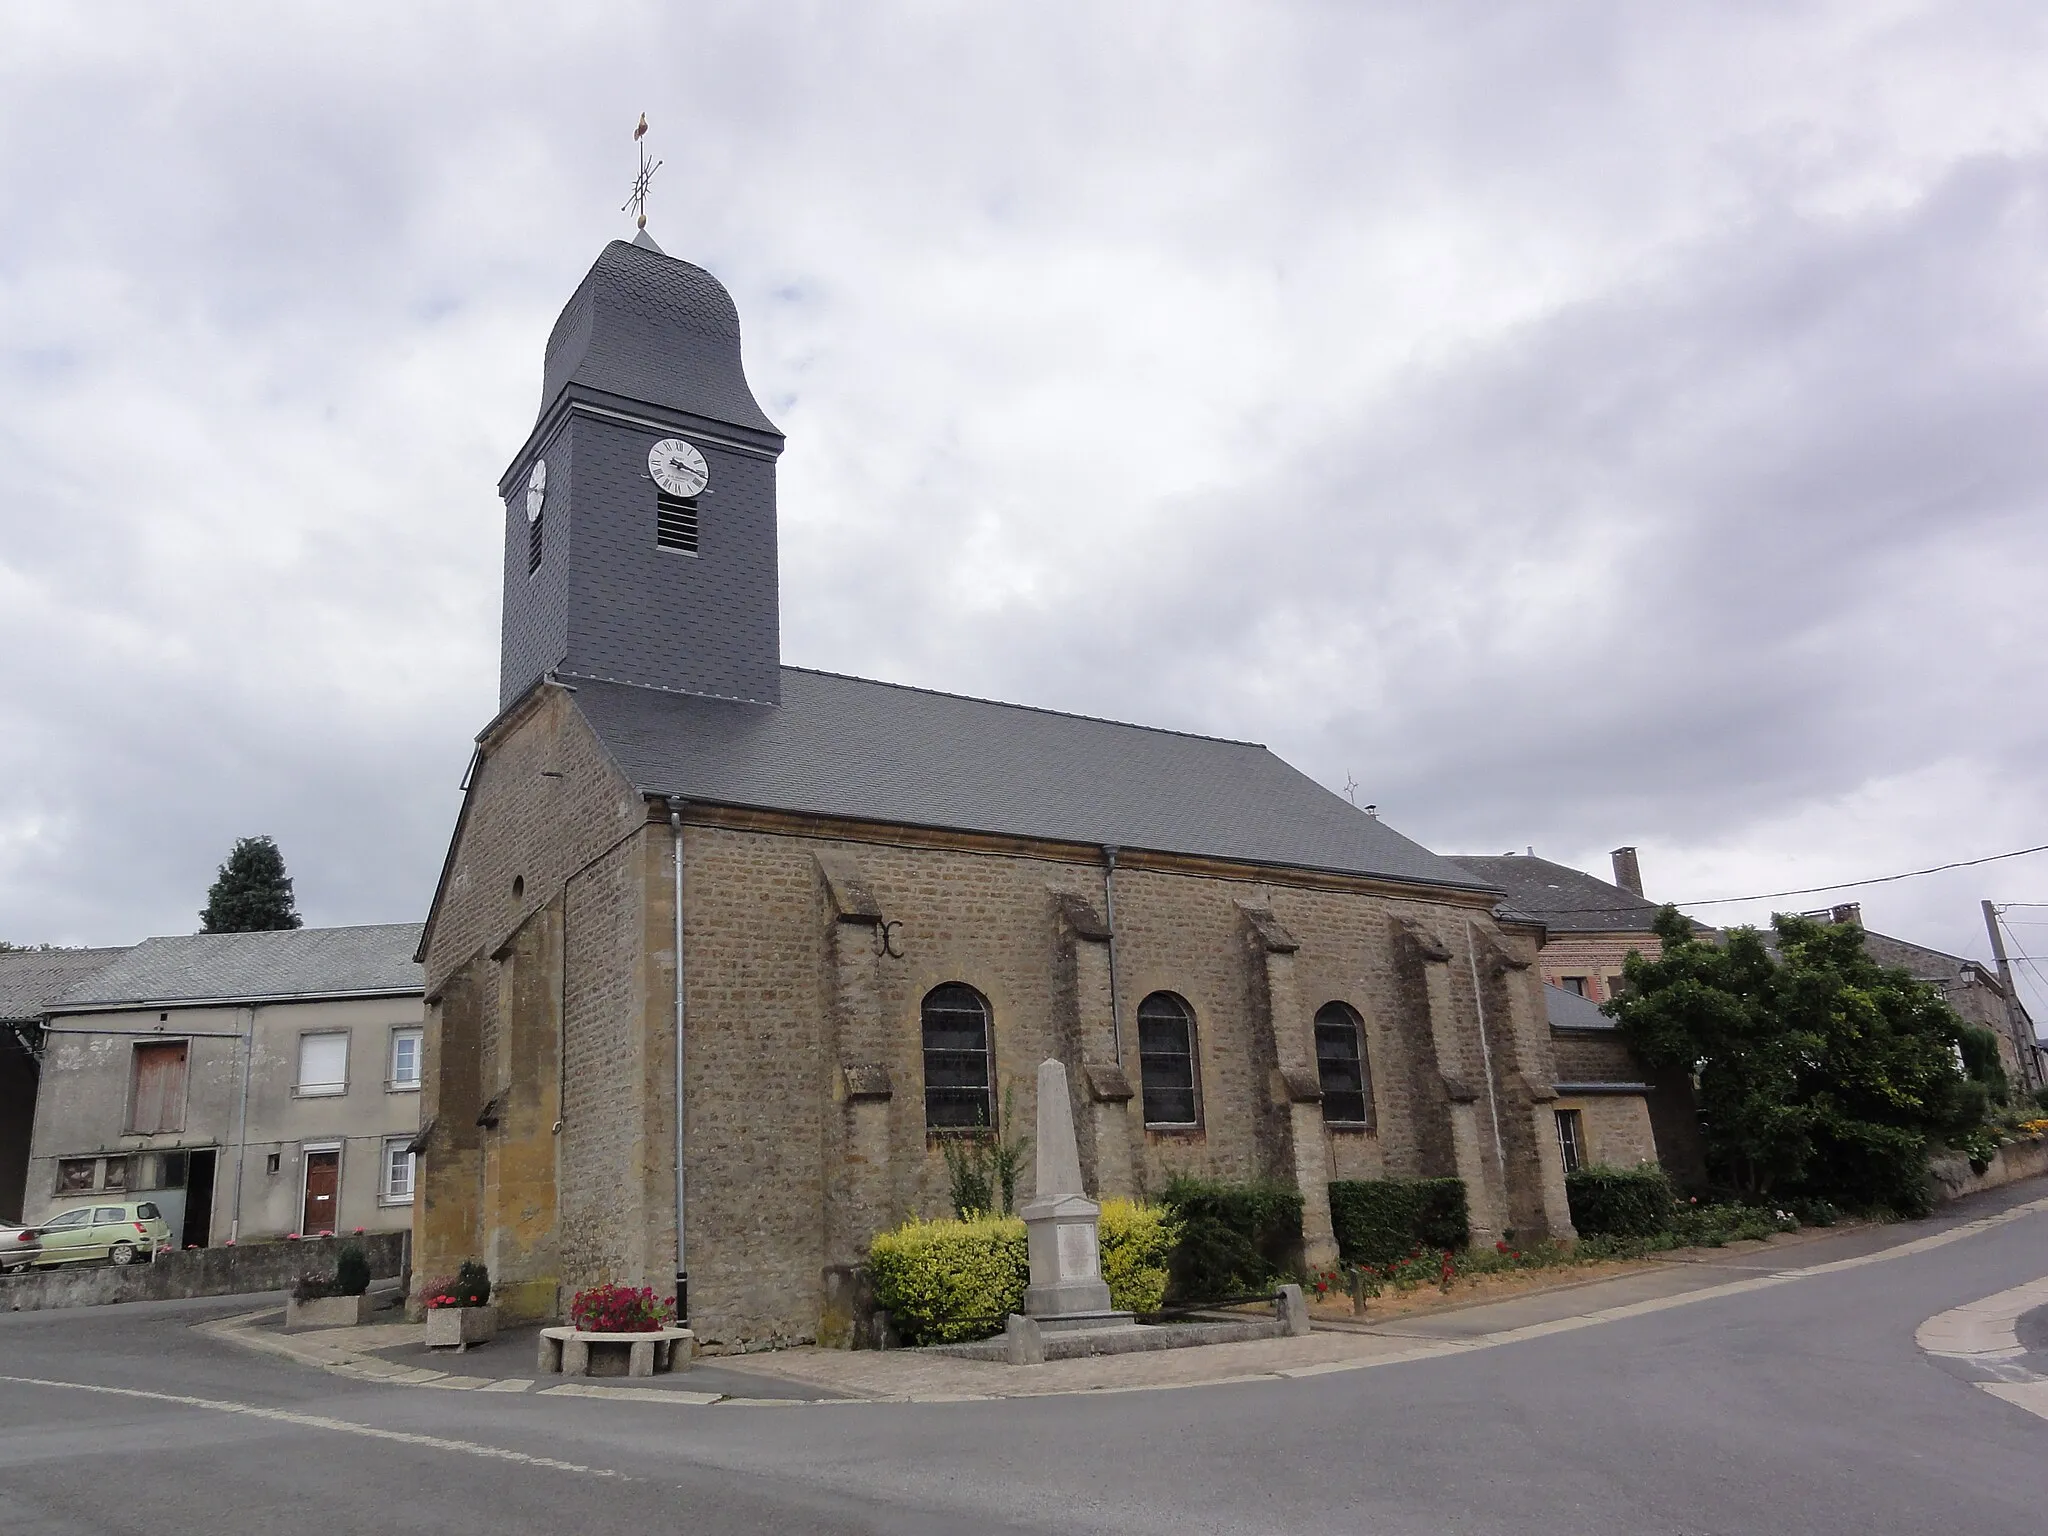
(766,1103)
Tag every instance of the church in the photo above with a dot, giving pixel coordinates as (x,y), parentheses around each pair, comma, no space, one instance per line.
(724,950)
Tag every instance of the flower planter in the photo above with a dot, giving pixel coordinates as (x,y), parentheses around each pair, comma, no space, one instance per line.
(572,1352)
(458,1328)
(326,1312)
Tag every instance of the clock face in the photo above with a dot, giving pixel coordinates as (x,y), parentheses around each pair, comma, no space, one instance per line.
(677,467)
(536,490)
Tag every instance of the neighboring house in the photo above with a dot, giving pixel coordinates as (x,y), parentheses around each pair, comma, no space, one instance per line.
(1971,987)
(1609,1109)
(725,953)
(30,981)
(255,1084)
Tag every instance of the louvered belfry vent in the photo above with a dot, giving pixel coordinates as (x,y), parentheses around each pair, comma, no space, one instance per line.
(675,522)
(533,544)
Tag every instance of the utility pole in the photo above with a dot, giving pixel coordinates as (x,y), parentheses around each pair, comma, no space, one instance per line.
(2017,1029)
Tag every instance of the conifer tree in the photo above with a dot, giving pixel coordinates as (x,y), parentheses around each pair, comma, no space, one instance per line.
(252,893)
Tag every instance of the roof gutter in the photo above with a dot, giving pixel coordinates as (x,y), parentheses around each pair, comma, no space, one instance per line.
(129,1005)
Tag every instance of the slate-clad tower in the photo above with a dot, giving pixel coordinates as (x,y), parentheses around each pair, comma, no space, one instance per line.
(601,580)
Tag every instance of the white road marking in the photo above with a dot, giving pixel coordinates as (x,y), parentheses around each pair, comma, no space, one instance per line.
(2030,1395)
(322,1421)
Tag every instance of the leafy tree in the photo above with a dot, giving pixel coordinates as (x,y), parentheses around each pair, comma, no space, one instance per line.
(252,893)
(1817,1072)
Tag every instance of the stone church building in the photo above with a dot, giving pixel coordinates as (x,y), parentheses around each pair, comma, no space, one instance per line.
(724,949)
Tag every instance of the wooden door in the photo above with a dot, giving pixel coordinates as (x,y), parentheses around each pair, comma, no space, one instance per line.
(159,1098)
(323,1192)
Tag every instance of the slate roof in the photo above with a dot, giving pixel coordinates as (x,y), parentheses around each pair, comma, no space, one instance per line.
(1563,899)
(1567,1010)
(297,962)
(847,747)
(32,979)
(645,326)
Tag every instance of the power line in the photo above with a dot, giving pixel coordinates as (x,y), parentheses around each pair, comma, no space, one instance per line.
(1846,885)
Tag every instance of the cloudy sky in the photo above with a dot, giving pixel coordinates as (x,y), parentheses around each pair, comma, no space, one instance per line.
(1575,424)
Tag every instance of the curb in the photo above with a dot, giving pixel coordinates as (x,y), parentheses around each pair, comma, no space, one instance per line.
(308,1349)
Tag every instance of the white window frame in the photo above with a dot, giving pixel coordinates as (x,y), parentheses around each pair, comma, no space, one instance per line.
(400,1145)
(393,1083)
(323,1090)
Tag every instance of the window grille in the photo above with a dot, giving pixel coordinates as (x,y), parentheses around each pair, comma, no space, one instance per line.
(1571,1140)
(675,522)
(1341,1066)
(958,1090)
(1166,1060)
(533,543)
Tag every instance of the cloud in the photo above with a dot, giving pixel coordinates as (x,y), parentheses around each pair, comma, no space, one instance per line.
(1581,424)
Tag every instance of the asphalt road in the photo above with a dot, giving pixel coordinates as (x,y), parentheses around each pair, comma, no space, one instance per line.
(1804,1407)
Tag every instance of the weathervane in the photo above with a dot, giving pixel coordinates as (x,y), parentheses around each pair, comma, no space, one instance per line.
(1350,789)
(638,201)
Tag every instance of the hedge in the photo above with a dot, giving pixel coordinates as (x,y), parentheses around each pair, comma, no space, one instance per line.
(1380,1220)
(948,1281)
(1620,1202)
(1137,1244)
(1235,1238)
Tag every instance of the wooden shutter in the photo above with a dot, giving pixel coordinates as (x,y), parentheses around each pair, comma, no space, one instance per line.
(159,1087)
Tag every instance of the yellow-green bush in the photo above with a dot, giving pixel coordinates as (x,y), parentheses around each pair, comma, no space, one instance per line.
(948,1281)
(1136,1241)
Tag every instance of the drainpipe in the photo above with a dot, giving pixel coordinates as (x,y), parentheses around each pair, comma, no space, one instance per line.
(675,826)
(242,1126)
(1486,1051)
(1116,1029)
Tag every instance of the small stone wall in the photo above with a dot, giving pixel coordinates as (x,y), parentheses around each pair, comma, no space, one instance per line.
(246,1270)
(1954,1178)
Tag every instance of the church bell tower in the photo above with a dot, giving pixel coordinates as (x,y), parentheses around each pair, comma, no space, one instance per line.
(640,542)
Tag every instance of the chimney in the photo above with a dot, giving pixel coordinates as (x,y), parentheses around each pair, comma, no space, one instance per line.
(1848,912)
(1627,874)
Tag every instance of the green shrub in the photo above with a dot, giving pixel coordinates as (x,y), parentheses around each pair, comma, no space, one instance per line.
(945,1282)
(1381,1220)
(1235,1238)
(351,1270)
(948,1281)
(1137,1247)
(472,1286)
(1619,1202)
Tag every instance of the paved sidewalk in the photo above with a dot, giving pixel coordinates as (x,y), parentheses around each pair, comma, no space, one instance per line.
(394,1353)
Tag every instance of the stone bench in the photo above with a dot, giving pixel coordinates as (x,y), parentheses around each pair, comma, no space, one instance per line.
(572,1352)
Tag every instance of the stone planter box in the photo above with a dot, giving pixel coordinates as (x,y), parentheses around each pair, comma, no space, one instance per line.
(327,1312)
(458,1328)
(572,1352)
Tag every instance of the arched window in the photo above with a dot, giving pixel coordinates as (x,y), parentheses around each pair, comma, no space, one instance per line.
(1341,1066)
(959,1088)
(1166,1060)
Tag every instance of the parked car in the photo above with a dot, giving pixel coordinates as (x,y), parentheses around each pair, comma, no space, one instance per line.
(19,1247)
(123,1233)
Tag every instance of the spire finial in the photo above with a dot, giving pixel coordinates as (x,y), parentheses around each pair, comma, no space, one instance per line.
(638,201)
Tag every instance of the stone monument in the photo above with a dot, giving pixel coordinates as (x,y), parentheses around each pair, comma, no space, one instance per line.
(1067,1289)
